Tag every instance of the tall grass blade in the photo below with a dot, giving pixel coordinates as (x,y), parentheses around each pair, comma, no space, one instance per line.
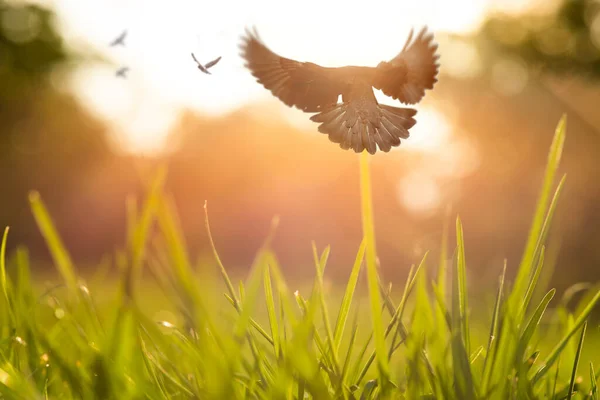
(55,245)
(350,350)
(3,274)
(530,328)
(372,276)
(463,379)
(224,275)
(555,353)
(576,362)
(271,313)
(535,231)
(462,286)
(397,313)
(593,383)
(493,336)
(141,233)
(532,285)
(514,313)
(320,266)
(348,296)
(440,287)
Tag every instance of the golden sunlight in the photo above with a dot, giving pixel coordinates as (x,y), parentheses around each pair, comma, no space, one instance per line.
(139,121)
(163,80)
(419,193)
(431,133)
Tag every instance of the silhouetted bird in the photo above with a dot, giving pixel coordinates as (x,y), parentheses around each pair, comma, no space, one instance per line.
(359,122)
(204,68)
(120,40)
(122,72)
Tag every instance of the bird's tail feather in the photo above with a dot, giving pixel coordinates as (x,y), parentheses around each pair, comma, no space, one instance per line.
(351,127)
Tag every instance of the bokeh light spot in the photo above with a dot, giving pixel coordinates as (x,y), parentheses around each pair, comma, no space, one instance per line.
(20,24)
(461,59)
(419,193)
(430,133)
(509,76)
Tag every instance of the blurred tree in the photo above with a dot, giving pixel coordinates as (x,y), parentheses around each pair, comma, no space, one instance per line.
(534,66)
(47,142)
(566,40)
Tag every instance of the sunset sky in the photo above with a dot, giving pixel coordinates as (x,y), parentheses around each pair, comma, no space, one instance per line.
(163,79)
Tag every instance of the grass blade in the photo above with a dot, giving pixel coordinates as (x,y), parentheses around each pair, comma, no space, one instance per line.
(348,295)
(350,350)
(3,274)
(536,229)
(271,313)
(462,286)
(141,233)
(55,245)
(553,356)
(539,229)
(531,326)
(320,266)
(532,285)
(576,362)
(593,384)
(396,313)
(222,270)
(372,278)
(463,378)
(492,340)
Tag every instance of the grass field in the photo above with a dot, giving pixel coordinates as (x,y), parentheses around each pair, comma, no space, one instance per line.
(193,334)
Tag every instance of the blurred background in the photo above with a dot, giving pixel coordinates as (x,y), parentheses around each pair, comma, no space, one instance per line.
(85,138)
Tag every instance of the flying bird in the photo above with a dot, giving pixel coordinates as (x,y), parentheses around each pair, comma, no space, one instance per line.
(120,40)
(204,68)
(359,122)
(122,72)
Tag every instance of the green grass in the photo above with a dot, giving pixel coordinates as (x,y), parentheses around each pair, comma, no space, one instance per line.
(261,339)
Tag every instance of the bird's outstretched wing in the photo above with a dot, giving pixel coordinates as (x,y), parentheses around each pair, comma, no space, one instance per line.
(413,70)
(305,85)
(200,66)
(212,63)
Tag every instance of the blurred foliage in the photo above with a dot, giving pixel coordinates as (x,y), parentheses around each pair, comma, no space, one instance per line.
(50,144)
(46,140)
(564,41)
(530,68)
(30,48)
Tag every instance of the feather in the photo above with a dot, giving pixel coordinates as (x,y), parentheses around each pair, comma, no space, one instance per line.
(359,122)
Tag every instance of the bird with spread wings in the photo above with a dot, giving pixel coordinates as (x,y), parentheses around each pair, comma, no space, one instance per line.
(359,122)
(120,40)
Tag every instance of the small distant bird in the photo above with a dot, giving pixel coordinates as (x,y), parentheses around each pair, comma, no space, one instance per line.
(122,72)
(359,121)
(120,40)
(204,68)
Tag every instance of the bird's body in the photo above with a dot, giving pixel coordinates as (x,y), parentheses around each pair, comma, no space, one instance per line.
(204,68)
(359,122)
(120,40)
(122,72)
